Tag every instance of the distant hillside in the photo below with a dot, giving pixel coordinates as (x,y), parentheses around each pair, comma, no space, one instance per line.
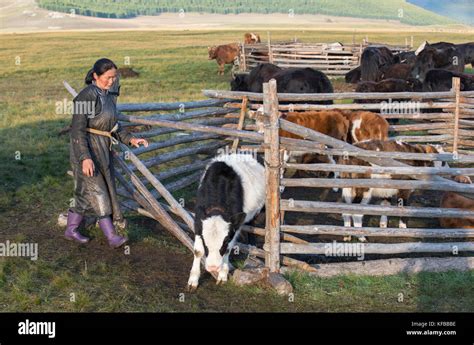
(374,9)
(460,10)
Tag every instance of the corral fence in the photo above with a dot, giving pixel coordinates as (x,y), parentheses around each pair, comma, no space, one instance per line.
(334,59)
(155,181)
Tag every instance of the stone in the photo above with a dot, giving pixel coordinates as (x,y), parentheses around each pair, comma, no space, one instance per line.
(62,220)
(249,276)
(279,284)
(253,262)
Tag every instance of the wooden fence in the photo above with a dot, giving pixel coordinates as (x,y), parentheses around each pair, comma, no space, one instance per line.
(332,59)
(185,135)
(449,125)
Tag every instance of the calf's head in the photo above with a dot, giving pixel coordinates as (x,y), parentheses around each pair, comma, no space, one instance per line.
(217,234)
(212,51)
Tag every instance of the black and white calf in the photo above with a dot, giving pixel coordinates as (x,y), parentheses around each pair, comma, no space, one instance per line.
(231,193)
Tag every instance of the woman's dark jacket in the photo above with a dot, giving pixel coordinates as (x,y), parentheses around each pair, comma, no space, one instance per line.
(96,195)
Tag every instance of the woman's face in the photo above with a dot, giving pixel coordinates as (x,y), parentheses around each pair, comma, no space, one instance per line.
(106,80)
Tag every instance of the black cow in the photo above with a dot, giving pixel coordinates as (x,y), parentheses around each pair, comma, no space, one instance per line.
(388,85)
(405,57)
(466,50)
(441,80)
(353,76)
(253,82)
(372,60)
(442,55)
(291,80)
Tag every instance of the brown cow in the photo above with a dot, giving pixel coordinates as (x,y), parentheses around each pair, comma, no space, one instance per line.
(386,85)
(365,195)
(396,71)
(224,54)
(251,38)
(455,200)
(329,122)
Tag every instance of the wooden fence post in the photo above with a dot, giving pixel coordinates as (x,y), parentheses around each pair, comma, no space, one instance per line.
(272,175)
(270,53)
(456,83)
(243,60)
(240,125)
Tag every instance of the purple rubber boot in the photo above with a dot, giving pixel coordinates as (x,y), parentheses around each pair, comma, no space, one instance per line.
(108,229)
(73,222)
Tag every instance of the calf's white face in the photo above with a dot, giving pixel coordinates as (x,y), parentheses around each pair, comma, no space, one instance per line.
(216,236)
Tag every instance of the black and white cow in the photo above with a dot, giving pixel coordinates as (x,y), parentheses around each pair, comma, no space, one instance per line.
(231,193)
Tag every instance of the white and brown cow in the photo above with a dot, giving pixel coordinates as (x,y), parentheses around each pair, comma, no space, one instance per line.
(251,38)
(365,195)
(365,125)
(231,192)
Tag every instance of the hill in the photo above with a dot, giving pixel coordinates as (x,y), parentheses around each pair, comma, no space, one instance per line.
(460,10)
(372,9)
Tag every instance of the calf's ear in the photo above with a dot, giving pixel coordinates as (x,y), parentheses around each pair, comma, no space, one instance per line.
(237,220)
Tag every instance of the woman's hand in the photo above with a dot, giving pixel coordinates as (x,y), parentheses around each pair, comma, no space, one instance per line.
(137,141)
(88,167)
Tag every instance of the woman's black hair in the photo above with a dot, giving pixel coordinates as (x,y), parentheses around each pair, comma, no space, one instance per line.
(100,67)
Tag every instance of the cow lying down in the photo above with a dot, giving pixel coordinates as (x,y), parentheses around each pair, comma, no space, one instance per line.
(231,193)
(365,195)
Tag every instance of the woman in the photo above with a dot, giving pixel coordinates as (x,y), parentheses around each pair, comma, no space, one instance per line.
(94,124)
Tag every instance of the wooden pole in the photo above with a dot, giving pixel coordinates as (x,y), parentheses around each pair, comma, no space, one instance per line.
(240,125)
(377,183)
(175,205)
(457,89)
(373,210)
(272,174)
(270,53)
(162,216)
(243,60)
(290,262)
(199,128)
(378,232)
(383,267)
(379,248)
(359,169)
(294,97)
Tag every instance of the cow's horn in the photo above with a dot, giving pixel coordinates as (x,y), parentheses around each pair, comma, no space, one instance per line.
(421,47)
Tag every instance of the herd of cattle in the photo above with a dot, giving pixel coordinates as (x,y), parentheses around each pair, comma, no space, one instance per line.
(429,68)
(232,189)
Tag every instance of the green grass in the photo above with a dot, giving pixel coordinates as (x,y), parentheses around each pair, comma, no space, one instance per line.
(35,189)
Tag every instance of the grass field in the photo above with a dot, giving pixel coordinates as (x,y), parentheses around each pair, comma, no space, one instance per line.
(34,189)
